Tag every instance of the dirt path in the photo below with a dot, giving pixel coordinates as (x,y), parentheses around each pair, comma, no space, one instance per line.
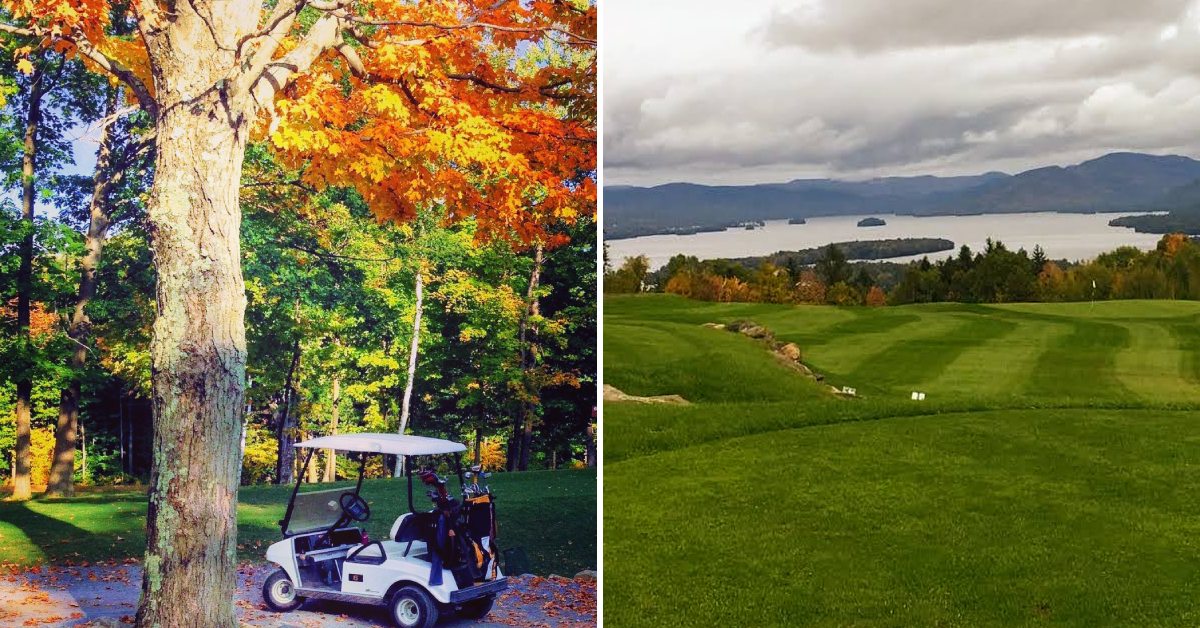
(107,595)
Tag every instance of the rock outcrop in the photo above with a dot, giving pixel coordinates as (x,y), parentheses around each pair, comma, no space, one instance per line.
(611,393)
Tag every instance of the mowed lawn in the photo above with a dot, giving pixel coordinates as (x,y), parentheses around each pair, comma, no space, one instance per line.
(1052,476)
(549,514)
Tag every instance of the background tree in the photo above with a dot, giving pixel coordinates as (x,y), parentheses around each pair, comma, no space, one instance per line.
(121,151)
(52,94)
(630,277)
(832,267)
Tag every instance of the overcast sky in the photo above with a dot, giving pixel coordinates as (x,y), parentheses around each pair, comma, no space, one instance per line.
(757,90)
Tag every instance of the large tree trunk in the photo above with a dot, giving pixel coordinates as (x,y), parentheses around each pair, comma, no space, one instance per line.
(62,469)
(412,364)
(205,101)
(33,119)
(198,354)
(528,360)
(334,415)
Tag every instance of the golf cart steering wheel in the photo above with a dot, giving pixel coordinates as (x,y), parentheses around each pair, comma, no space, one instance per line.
(354,506)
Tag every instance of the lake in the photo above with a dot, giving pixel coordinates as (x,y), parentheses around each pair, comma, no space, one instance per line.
(1063,236)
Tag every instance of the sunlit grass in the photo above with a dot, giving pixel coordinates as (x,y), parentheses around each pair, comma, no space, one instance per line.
(551,514)
(1049,477)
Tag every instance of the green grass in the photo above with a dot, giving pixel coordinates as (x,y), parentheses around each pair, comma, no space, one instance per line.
(1049,477)
(551,514)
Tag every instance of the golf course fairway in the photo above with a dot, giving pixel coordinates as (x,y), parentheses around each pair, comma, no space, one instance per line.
(1051,476)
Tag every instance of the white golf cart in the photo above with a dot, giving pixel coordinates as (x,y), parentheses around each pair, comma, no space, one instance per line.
(432,562)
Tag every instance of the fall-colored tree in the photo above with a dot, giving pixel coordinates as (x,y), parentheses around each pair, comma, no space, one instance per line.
(876,297)
(842,293)
(491,454)
(488,106)
(684,284)
(1172,243)
(1050,281)
(729,289)
(772,283)
(809,288)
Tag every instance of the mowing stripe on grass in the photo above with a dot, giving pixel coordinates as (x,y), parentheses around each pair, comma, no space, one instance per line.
(1080,365)
(999,365)
(804,325)
(1154,365)
(844,346)
(868,322)
(911,363)
(1187,334)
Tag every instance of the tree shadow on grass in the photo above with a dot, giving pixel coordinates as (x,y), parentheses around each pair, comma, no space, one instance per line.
(51,579)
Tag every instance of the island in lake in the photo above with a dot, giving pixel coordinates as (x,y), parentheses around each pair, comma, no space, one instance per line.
(855,250)
(872,222)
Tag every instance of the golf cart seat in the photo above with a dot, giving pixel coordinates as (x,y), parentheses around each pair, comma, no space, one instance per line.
(414,526)
(410,536)
(372,555)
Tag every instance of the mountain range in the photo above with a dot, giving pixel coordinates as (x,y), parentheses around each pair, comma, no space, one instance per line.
(1115,182)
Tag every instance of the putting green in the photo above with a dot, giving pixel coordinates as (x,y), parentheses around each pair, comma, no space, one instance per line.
(1050,477)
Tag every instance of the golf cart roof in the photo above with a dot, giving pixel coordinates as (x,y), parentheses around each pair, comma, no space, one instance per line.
(401,445)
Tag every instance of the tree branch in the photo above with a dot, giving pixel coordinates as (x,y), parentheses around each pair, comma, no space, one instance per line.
(108,64)
(117,69)
(278,24)
(465,25)
(262,83)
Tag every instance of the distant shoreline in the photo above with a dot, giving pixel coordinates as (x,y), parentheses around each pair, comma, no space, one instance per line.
(698,229)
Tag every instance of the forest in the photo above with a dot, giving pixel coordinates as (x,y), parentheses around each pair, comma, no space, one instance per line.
(352,322)
(993,275)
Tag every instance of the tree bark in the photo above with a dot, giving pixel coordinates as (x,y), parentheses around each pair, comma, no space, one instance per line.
(331,454)
(206,98)
(62,468)
(286,461)
(198,352)
(528,360)
(83,445)
(590,451)
(312,473)
(412,364)
(33,119)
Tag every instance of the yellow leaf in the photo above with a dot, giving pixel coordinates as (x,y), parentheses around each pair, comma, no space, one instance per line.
(24,66)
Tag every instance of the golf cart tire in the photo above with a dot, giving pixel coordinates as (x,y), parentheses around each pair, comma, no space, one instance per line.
(477,608)
(412,607)
(272,589)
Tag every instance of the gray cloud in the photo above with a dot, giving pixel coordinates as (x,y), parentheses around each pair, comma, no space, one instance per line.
(894,88)
(873,25)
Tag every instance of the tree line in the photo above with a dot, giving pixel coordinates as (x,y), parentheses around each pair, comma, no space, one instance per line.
(995,274)
(352,323)
(501,356)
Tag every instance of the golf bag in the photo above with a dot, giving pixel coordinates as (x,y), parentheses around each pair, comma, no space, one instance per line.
(455,542)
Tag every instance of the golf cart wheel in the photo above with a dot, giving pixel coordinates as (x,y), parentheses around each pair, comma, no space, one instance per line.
(280,593)
(413,608)
(477,608)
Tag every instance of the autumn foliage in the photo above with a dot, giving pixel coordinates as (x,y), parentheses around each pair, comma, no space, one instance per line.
(487,106)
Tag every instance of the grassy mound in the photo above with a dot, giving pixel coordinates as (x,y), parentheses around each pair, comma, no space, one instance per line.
(1049,476)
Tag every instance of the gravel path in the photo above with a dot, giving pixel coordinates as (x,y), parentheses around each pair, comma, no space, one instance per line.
(107,595)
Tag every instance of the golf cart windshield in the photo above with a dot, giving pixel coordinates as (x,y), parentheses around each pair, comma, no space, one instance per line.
(315,511)
(329,508)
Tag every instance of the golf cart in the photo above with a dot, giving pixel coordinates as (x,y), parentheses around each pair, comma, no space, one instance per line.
(435,561)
